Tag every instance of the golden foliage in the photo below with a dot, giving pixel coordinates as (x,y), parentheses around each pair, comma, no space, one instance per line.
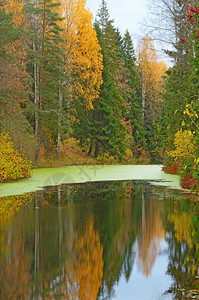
(89,265)
(182,227)
(16,8)
(10,204)
(12,165)
(184,232)
(185,145)
(151,73)
(82,51)
(85,270)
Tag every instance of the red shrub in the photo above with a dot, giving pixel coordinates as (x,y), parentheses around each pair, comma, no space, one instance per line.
(188,181)
(171,169)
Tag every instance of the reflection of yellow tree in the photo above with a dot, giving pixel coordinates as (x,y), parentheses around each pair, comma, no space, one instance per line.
(14,279)
(8,206)
(182,225)
(83,271)
(150,235)
(88,266)
(184,232)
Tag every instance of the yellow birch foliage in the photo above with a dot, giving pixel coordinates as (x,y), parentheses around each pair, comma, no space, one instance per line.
(82,51)
(150,73)
(185,145)
(12,165)
(16,8)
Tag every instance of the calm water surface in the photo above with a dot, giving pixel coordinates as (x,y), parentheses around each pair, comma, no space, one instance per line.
(126,240)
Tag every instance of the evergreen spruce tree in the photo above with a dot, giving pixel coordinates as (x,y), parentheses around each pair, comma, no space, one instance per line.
(134,97)
(103,126)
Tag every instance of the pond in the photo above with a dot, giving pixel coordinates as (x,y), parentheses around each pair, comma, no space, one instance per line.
(107,234)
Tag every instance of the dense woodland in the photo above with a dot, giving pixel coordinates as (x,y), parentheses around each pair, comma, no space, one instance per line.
(74,90)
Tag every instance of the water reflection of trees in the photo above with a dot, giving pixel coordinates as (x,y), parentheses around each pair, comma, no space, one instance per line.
(183,240)
(150,234)
(76,241)
(15,276)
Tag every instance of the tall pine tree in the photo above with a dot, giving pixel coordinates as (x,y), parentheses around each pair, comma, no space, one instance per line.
(46,65)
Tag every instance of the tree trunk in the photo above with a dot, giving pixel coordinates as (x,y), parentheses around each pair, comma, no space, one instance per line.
(37,235)
(59,123)
(36,102)
(60,220)
(96,149)
(90,149)
(143,99)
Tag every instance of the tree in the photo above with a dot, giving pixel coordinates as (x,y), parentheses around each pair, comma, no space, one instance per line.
(82,46)
(82,61)
(13,76)
(105,130)
(150,73)
(134,101)
(151,77)
(46,65)
(181,94)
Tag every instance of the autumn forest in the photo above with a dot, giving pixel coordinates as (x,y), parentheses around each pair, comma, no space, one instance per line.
(74,90)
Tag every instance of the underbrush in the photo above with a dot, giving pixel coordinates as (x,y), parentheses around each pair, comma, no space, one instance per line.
(72,154)
(12,165)
(184,160)
(188,181)
(171,169)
